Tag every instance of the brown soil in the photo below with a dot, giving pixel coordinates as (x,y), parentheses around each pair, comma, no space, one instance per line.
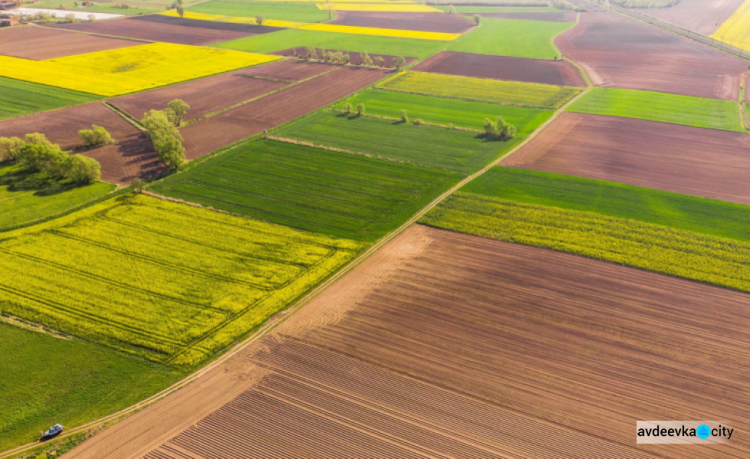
(38,43)
(702,16)
(617,51)
(700,162)
(291,70)
(204,96)
(550,16)
(355,58)
(246,29)
(131,157)
(428,22)
(252,118)
(144,30)
(503,68)
(460,346)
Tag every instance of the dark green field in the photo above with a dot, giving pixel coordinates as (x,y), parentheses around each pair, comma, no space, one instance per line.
(47,380)
(22,98)
(429,146)
(328,192)
(439,110)
(280,11)
(700,215)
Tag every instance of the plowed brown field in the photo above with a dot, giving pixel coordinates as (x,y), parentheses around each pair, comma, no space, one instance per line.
(246,29)
(356,58)
(132,156)
(620,52)
(40,43)
(551,16)
(702,16)
(428,22)
(144,30)
(252,118)
(503,68)
(291,70)
(449,345)
(682,159)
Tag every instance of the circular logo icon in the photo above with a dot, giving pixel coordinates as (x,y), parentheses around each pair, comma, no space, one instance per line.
(703,431)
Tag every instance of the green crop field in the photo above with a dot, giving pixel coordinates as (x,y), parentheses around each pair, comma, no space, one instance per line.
(662,107)
(354,43)
(169,282)
(425,145)
(22,98)
(309,188)
(46,380)
(440,110)
(531,95)
(501,9)
(700,257)
(135,7)
(27,197)
(512,37)
(281,11)
(690,213)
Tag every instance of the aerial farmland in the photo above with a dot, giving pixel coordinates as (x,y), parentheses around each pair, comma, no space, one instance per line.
(374,228)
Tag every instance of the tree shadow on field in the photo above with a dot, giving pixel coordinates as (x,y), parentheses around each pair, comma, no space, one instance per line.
(484,137)
(349,116)
(17,179)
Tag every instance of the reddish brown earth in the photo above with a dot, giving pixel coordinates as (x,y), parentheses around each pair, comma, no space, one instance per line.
(503,68)
(246,29)
(449,345)
(428,22)
(289,70)
(682,159)
(702,16)
(551,16)
(620,52)
(252,118)
(38,43)
(132,156)
(355,58)
(144,30)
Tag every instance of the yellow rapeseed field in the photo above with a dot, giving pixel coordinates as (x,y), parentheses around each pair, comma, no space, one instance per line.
(382,7)
(236,19)
(736,30)
(126,70)
(382,32)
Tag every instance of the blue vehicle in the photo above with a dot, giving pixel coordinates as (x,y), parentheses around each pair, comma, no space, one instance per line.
(52,432)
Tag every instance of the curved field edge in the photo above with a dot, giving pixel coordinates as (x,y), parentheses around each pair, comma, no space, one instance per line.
(709,259)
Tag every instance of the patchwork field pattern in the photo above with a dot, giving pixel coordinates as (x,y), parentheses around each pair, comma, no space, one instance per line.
(245,28)
(548,16)
(694,256)
(430,146)
(111,73)
(735,30)
(196,283)
(430,22)
(542,341)
(662,107)
(541,71)
(355,30)
(23,98)
(446,112)
(295,12)
(681,159)
(616,51)
(701,16)
(481,90)
(512,37)
(390,7)
(323,191)
(39,43)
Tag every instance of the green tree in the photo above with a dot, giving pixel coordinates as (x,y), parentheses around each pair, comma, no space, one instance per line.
(477,19)
(360,109)
(39,139)
(348,108)
(312,53)
(259,20)
(9,147)
(379,61)
(176,110)
(138,185)
(165,137)
(366,59)
(399,61)
(404,117)
(39,157)
(180,10)
(95,137)
(451,9)
(82,169)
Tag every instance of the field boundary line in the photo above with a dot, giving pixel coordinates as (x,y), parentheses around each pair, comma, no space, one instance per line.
(742,101)
(125,116)
(426,123)
(575,64)
(99,34)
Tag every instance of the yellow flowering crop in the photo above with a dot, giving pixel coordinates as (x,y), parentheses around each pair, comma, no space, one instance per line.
(382,32)
(351,1)
(736,30)
(382,7)
(126,70)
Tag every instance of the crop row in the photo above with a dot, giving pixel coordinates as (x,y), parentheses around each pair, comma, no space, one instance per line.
(695,256)
(481,90)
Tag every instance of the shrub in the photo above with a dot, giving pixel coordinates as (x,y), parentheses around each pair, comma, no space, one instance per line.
(477,19)
(81,169)
(9,147)
(451,9)
(259,20)
(360,109)
(138,185)
(379,61)
(418,122)
(312,53)
(366,60)
(95,137)
(404,117)
(399,61)
(165,137)
(348,108)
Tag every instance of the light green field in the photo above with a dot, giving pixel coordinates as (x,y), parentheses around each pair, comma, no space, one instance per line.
(292,38)
(430,146)
(23,98)
(444,111)
(27,197)
(661,107)
(530,95)
(512,37)
(47,380)
(695,256)
(168,282)
(501,9)
(282,11)
(690,213)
